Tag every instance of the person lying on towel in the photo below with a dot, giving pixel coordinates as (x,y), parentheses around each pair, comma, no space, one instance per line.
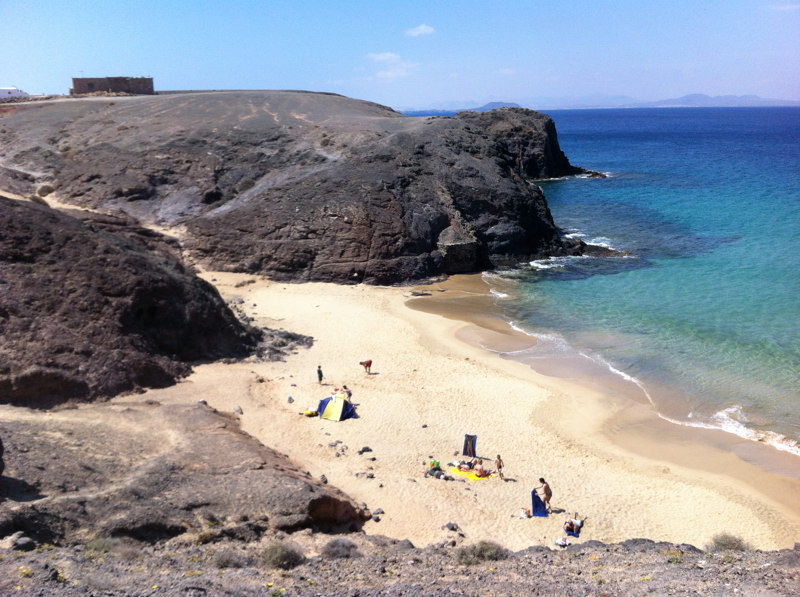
(574,525)
(467,466)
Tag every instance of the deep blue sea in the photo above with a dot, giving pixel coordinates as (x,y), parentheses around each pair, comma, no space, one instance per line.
(701,316)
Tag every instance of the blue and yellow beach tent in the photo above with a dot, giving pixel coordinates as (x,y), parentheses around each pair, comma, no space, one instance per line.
(336,408)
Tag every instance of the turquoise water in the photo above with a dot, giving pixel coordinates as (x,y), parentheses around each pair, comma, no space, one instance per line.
(702,314)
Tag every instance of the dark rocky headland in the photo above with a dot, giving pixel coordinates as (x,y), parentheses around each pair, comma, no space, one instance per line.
(139,498)
(300,186)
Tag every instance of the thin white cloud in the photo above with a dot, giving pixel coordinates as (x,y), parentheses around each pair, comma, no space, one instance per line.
(395,66)
(507,71)
(389,57)
(420,30)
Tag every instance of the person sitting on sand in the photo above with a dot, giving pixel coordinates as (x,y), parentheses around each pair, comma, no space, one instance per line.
(479,470)
(574,524)
(544,492)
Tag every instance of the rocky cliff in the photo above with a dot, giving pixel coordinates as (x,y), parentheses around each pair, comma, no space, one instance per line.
(300,186)
(92,306)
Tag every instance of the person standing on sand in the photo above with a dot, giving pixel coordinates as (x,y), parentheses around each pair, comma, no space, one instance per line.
(545,493)
(367,365)
(498,464)
(320,376)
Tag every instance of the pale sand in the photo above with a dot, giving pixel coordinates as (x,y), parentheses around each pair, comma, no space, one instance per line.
(606,457)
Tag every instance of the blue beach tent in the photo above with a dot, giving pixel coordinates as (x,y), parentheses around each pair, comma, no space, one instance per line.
(336,408)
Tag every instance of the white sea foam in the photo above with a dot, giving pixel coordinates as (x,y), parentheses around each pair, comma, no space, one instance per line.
(492,280)
(513,325)
(547,344)
(593,177)
(554,262)
(602,241)
(620,373)
(731,420)
(548,263)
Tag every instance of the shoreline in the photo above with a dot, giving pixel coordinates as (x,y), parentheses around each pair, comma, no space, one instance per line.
(433,381)
(558,359)
(637,422)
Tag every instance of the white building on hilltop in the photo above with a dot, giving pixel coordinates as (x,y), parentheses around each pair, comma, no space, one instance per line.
(6,92)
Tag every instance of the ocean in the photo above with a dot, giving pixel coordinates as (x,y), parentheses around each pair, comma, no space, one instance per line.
(700,314)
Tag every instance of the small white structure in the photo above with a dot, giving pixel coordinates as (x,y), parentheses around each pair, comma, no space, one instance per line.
(6,92)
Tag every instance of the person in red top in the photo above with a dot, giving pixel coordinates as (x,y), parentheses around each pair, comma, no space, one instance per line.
(367,365)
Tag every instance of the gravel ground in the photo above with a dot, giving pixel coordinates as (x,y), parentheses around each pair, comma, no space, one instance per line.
(357,565)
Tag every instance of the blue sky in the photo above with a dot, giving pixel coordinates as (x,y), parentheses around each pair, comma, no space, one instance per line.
(412,54)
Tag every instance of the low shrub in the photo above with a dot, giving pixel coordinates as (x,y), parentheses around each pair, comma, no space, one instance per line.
(340,549)
(482,551)
(674,556)
(102,545)
(727,542)
(280,555)
(227,558)
(44,190)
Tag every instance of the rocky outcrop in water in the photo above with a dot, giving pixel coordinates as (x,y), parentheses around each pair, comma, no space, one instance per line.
(301,186)
(93,305)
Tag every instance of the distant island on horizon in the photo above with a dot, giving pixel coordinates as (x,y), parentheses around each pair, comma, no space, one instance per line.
(694,100)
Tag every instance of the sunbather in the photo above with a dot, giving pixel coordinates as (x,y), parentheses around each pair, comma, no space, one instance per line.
(574,524)
(467,466)
(479,470)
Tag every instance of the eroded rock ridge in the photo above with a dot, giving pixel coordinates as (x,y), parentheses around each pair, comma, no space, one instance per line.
(301,186)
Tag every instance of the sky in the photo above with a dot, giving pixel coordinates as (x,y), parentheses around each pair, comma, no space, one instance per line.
(414,54)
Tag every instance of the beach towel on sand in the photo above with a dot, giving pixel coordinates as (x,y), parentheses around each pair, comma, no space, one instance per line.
(574,533)
(538,509)
(467,474)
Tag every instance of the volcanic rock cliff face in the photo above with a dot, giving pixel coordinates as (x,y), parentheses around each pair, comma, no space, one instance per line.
(300,186)
(92,306)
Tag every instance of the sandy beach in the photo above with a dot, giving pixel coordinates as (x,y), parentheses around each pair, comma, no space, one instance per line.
(436,376)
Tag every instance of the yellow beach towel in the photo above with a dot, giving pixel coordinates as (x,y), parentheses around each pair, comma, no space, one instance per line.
(467,474)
